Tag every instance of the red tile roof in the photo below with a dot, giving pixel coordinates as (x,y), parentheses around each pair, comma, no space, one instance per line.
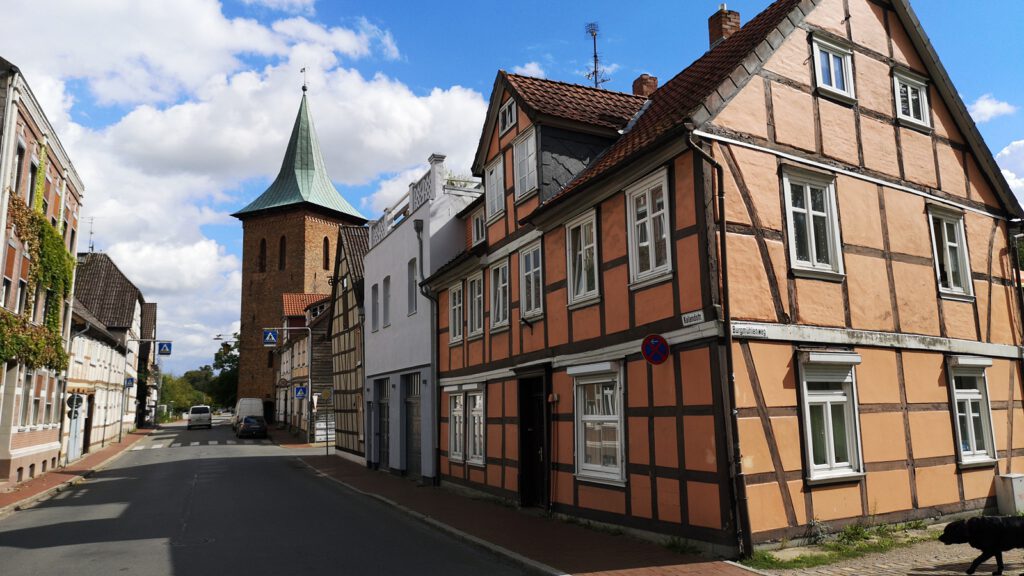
(678,98)
(296,304)
(574,102)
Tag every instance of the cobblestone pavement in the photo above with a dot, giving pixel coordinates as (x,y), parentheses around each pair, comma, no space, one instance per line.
(925,559)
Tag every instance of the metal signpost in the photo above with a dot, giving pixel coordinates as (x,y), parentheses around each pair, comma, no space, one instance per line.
(163,348)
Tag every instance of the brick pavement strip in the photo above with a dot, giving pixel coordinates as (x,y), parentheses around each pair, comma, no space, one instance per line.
(55,480)
(550,546)
(931,558)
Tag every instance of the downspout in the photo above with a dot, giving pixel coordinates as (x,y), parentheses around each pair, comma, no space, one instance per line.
(1020,307)
(417,225)
(738,484)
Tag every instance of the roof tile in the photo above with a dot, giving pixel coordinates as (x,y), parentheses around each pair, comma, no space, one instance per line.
(295,304)
(575,102)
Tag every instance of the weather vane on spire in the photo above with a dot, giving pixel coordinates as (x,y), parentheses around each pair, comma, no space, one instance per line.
(303,71)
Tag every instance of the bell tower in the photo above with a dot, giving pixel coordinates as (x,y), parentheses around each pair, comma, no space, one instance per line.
(288,242)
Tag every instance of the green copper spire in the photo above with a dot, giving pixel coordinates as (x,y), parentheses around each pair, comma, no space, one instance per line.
(303,177)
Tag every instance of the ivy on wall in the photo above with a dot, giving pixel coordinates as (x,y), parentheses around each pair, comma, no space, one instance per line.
(51,268)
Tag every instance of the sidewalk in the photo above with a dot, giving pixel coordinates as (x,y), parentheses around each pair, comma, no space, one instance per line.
(53,480)
(546,544)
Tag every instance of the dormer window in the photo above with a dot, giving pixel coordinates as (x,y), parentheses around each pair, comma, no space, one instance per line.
(479,227)
(833,69)
(911,98)
(507,116)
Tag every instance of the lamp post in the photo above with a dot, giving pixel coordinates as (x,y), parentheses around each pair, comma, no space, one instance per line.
(309,374)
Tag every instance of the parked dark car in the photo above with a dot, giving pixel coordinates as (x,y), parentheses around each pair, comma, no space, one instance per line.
(253,427)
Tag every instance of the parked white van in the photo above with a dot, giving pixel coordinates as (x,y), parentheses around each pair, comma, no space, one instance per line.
(246,407)
(199,416)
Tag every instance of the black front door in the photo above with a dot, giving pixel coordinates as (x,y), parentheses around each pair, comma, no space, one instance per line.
(532,443)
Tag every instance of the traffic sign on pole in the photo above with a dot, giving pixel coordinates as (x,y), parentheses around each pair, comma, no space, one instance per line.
(74,401)
(655,349)
(300,392)
(163,348)
(129,382)
(270,338)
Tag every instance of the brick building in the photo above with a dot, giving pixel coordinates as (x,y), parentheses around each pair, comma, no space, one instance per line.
(288,236)
(40,193)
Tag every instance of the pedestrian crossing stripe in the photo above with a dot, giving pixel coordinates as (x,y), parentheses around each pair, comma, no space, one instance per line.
(208,443)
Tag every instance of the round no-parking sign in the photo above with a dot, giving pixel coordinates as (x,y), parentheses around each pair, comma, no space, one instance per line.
(655,349)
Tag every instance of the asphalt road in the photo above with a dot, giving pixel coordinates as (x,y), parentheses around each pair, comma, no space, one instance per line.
(188,503)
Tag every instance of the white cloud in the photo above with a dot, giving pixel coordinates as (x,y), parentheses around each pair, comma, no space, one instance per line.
(293,6)
(1011,161)
(529,69)
(986,108)
(200,124)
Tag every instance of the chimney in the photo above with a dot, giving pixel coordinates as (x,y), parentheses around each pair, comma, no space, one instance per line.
(645,85)
(722,24)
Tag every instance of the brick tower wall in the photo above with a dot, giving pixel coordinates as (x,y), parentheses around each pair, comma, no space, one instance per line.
(261,291)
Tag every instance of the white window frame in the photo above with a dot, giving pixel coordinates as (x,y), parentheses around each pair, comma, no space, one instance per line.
(812,267)
(412,287)
(386,302)
(529,308)
(588,295)
(645,187)
(479,224)
(456,427)
(912,81)
(476,429)
(606,373)
(956,219)
(499,292)
(374,308)
(455,312)
(971,367)
(831,367)
(507,116)
(834,50)
(475,306)
(526,144)
(494,187)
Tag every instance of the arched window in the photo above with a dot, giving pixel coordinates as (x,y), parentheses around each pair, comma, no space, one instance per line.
(282,251)
(262,261)
(327,254)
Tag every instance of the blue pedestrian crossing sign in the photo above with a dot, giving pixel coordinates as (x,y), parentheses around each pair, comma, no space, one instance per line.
(163,348)
(300,392)
(270,338)
(129,382)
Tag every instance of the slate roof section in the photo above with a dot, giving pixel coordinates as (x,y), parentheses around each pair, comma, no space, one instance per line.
(295,304)
(574,102)
(677,99)
(105,290)
(149,320)
(303,177)
(355,241)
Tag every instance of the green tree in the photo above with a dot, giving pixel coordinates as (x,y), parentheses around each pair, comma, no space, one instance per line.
(224,386)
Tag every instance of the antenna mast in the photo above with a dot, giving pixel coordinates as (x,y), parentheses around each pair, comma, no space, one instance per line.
(92,246)
(595,74)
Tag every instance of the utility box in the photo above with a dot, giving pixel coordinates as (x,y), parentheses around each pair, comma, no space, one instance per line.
(1010,494)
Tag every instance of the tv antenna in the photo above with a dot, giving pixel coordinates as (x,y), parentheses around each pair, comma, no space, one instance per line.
(595,74)
(92,245)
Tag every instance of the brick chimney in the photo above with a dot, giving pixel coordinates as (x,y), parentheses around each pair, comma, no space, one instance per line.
(722,24)
(645,85)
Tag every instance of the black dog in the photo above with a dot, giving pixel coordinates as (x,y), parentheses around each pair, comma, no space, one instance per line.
(993,535)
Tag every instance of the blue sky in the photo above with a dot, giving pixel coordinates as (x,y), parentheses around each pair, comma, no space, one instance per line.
(176,112)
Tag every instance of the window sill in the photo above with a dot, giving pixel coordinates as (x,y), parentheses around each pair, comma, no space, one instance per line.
(956,296)
(815,274)
(526,196)
(476,464)
(531,318)
(499,329)
(842,97)
(495,217)
(458,461)
(475,336)
(914,125)
(600,480)
(584,302)
(976,463)
(836,478)
(661,278)
(455,342)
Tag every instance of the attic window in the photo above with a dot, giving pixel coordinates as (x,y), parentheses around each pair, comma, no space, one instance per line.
(911,98)
(507,116)
(833,69)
